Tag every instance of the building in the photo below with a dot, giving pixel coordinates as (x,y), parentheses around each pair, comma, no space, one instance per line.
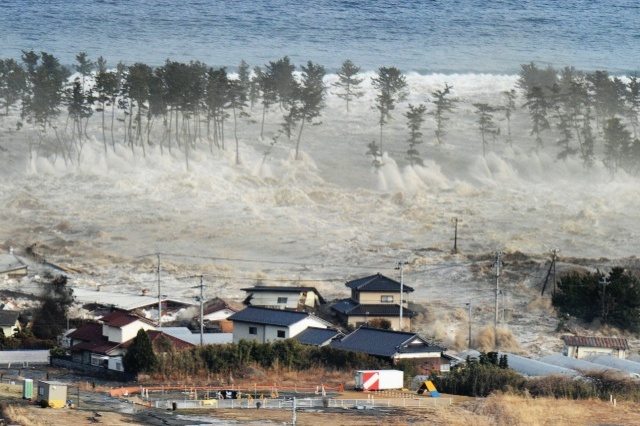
(375,297)
(268,325)
(12,267)
(292,298)
(585,346)
(105,301)
(9,322)
(54,393)
(217,311)
(395,346)
(104,344)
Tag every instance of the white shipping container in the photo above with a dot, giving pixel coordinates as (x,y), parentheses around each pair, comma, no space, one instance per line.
(368,380)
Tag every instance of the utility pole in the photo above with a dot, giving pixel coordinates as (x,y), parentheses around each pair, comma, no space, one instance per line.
(604,281)
(495,323)
(201,313)
(293,415)
(555,255)
(401,267)
(159,296)
(455,236)
(469,305)
(504,294)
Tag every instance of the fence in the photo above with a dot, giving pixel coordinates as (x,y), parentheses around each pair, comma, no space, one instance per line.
(24,358)
(304,403)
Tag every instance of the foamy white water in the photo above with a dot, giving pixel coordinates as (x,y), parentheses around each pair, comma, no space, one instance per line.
(328,217)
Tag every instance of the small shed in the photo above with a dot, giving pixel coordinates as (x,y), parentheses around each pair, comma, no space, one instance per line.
(54,393)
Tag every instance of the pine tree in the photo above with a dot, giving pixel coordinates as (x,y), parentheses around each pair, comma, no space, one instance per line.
(310,98)
(391,85)
(348,84)
(140,357)
(12,83)
(443,106)
(617,144)
(485,123)
(508,109)
(374,152)
(538,109)
(236,101)
(415,119)
(244,79)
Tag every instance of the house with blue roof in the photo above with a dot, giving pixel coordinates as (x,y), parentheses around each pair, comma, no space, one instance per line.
(375,296)
(396,346)
(268,325)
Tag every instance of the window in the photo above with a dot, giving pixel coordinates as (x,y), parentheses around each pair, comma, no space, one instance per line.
(386,299)
(41,390)
(281,334)
(282,299)
(253,330)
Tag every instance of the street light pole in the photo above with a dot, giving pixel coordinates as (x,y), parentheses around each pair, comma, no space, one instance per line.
(159,296)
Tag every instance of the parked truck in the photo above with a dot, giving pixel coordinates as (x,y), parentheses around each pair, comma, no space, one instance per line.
(374,380)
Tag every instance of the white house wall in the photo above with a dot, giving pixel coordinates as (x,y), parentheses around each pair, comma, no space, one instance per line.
(270,300)
(585,351)
(269,333)
(124,333)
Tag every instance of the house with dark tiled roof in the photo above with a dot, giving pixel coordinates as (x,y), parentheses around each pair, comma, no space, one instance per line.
(104,344)
(267,325)
(315,336)
(292,298)
(9,322)
(395,346)
(375,296)
(585,346)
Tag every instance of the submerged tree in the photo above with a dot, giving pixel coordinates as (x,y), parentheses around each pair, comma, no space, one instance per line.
(415,119)
(374,152)
(348,84)
(391,85)
(443,105)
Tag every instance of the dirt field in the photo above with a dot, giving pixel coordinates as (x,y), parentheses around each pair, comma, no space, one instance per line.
(495,410)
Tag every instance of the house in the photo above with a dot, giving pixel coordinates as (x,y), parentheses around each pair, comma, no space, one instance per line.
(292,298)
(395,346)
(584,346)
(183,333)
(375,297)
(267,325)
(315,336)
(104,344)
(105,301)
(9,322)
(54,393)
(217,310)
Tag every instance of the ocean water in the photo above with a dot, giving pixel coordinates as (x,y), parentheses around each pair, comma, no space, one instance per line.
(438,36)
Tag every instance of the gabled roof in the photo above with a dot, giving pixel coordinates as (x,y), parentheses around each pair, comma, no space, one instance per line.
(8,318)
(596,342)
(351,308)
(384,343)
(217,304)
(124,301)
(120,319)
(10,262)
(283,289)
(377,283)
(266,316)
(99,346)
(183,333)
(318,336)
(87,332)
(156,335)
